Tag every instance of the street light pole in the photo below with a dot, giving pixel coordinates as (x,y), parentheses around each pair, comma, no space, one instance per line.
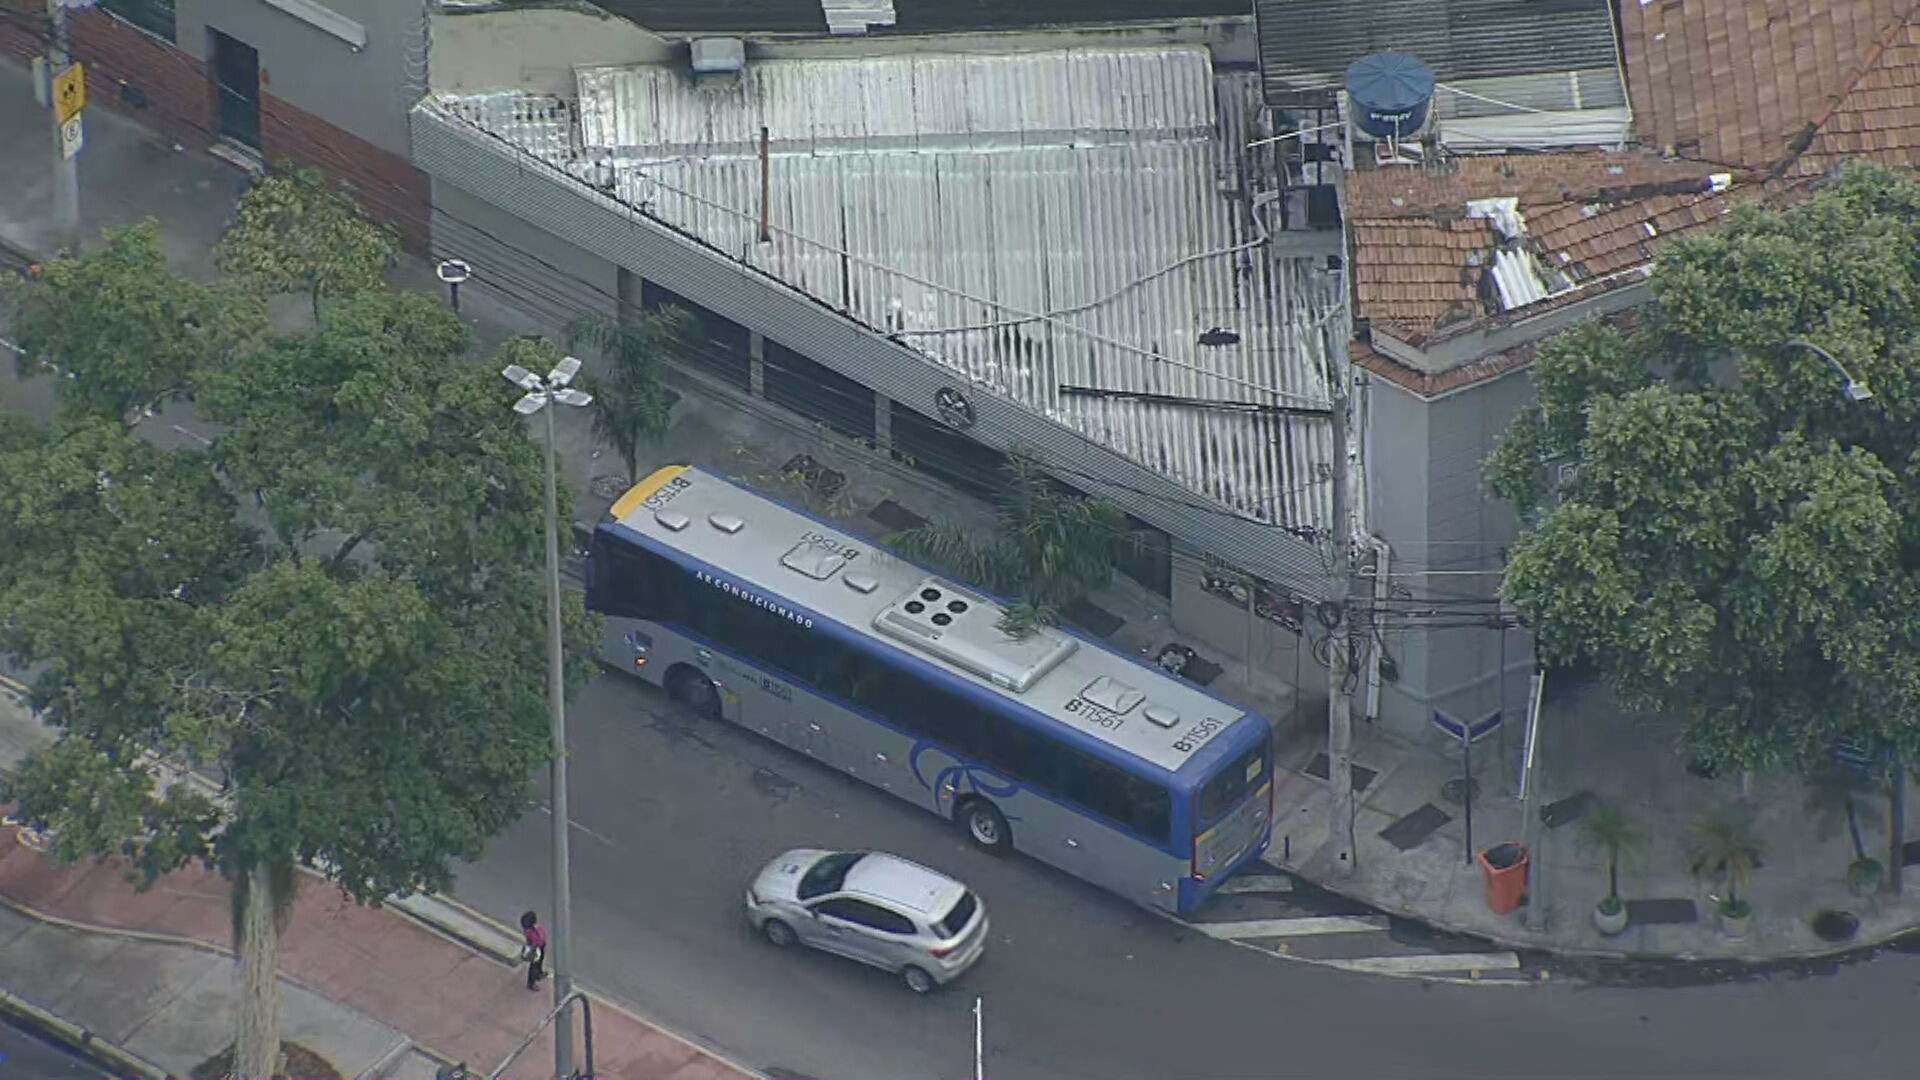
(540,393)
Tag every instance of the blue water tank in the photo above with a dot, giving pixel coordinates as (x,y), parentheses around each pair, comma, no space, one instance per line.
(1391,94)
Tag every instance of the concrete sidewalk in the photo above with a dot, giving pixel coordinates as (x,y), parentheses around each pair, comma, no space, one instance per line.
(376,992)
(1589,746)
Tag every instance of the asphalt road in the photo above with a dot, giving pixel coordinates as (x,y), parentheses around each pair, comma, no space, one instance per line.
(24,1056)
(672,814)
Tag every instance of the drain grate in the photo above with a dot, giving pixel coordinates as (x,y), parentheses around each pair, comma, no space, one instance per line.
(1412,831)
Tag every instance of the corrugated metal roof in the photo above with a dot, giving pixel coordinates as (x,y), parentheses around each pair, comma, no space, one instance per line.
(1458,39)
(1025,220)
(910,16)
(551,198)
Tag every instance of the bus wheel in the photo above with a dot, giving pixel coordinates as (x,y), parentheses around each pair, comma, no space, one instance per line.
(696,692)
(985,826)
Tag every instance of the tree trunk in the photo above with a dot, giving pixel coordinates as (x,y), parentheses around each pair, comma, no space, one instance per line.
(256,1036)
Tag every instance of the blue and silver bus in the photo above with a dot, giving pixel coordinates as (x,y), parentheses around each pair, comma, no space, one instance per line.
(748,610)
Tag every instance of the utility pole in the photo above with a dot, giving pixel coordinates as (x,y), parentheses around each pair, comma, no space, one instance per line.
(1340,655)
(1535,914)
(67,98)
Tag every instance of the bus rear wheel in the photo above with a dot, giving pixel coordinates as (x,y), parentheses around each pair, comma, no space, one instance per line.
(986,826)
(695,691)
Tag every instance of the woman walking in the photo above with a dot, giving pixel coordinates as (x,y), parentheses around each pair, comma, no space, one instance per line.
(534,952)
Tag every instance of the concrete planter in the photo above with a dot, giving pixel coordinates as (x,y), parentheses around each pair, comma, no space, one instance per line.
(1734,921)
(1610,923)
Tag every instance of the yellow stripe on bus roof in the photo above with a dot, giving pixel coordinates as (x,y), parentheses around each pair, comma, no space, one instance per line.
(638,493)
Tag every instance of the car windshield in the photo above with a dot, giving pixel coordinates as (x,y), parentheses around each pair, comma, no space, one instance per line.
(956,920)
(828,874)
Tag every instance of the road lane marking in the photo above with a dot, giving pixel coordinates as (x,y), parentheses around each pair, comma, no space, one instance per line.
(1422,964)
(548,810)
(1306,926)
(1258,884)
(204,441)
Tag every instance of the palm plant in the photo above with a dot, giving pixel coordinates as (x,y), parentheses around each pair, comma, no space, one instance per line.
(630,404)
(1724,840)
(1607,828)
(1053,547)
(1834,795)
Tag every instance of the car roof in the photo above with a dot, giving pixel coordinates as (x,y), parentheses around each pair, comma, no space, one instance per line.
(905,884)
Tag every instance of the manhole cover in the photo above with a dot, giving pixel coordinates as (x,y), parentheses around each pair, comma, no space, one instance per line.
(608,487)
(1836,925)
(1458,790)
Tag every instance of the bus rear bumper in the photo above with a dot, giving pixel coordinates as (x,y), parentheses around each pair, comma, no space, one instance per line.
(1192,892)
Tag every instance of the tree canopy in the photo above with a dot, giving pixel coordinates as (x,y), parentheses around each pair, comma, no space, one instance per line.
(1739,541)
(336,608)
(127,331)
(295,233)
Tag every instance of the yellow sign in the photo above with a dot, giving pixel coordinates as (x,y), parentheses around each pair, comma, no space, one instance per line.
(69,92)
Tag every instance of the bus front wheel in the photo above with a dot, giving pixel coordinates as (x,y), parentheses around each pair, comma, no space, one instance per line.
(986,826)
(695,691)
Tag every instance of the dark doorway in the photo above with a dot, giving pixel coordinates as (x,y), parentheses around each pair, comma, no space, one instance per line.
(236,75)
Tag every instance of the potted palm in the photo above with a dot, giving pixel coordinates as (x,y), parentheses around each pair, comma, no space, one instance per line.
(1607,828)
(1834,795)
(1724,843)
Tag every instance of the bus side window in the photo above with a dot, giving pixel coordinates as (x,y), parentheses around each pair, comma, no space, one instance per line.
(632,582)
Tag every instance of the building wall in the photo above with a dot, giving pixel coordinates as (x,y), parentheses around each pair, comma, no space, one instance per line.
(363,91)
(1448,535)
(1223,624)
(321,102)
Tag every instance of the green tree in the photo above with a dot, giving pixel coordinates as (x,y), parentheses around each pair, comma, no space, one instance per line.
(295,233)
(365,671)
(1740,544)
(630,405)
(126,330)
(1052,547)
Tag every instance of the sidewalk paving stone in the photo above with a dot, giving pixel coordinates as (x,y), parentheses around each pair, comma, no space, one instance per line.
(170,1001)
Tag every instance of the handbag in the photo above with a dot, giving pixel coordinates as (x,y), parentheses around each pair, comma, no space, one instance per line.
(527,954)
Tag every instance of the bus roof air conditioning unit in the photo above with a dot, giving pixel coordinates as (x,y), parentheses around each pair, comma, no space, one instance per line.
(964,630)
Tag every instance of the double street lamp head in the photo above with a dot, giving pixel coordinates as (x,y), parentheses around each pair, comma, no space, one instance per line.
(539,391)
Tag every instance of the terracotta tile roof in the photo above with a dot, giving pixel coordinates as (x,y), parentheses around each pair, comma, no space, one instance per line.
(1879,116)
(1752,89)
(1735,81)
(1419,262)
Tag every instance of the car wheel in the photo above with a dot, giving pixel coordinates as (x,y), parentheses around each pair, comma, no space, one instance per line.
(986,826)
(696,692)
(778,934)
(918,980)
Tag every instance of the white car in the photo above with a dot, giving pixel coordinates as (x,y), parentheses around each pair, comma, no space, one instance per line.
(878,909)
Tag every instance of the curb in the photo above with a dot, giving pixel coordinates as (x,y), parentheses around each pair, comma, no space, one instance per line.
(599,1000)
(1576,952)
(77,1039)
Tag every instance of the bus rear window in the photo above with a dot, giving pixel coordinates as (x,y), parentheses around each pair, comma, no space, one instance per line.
(958,918)
(1224,792)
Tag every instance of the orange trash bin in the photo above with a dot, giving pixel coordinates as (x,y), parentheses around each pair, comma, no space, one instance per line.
(1503,873)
